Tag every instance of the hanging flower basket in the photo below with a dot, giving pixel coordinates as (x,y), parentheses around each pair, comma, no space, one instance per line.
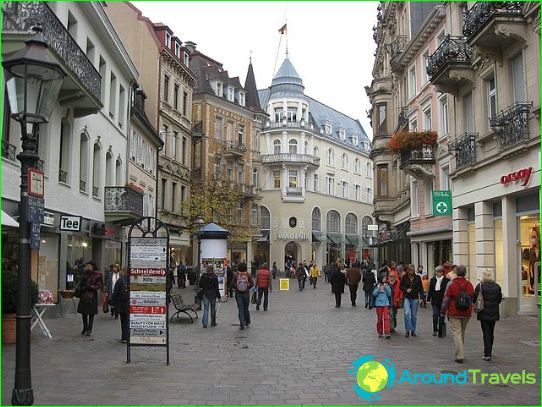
(412,140)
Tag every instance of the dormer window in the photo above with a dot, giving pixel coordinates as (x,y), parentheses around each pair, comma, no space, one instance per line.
(242,98)
(327,128)
(342,134)
(168,40)
(354,140)
(177,50)
(230,94)
(186,58)
(219,89)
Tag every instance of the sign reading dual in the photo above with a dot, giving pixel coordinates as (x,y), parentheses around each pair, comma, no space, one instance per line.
(442,203)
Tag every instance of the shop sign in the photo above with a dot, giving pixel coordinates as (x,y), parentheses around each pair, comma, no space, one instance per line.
(34,209)
(294,236)
(48,219)
(284,284)
(442,203)
(70,223)
(521,175)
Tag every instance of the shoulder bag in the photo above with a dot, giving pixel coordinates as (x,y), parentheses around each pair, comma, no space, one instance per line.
(479,304)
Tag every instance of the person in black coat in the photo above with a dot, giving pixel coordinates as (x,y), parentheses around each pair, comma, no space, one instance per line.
(209,285)
(119,299)
(492,295)
(337,281)
(369,282)
(91,282)
(435,295)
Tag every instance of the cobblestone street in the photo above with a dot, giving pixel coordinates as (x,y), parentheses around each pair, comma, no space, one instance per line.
(299,352)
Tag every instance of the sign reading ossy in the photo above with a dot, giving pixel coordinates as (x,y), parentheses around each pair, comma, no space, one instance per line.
(521,175)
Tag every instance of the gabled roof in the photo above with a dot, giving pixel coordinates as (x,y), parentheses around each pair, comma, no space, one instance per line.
(252,100)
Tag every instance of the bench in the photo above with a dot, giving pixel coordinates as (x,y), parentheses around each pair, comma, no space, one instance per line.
(181,307)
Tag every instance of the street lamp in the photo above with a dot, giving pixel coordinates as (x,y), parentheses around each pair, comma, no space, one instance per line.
(33,81)
(199,222)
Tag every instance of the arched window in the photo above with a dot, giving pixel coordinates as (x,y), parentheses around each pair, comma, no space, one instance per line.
(351,224)
(365,222)
(316,152)
(96,170)
(109,169)
(316,219)
(344,161)
(83,163)
(65,151)
(276,146)
(265,219)
(333,222)
(118,172)
(331,157)
(254,215)
(292,146)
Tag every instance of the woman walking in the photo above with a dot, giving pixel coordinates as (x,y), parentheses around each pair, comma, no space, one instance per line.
(411,286)
(437,287)
(337,280)
(489,315)
(90,283)
(209,285)
(369,282)
(119,299)
(396,301)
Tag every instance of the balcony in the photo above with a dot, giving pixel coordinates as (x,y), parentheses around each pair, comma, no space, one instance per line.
(246,190)
(491,26)
(256,156)
(293,194)
(292,158)
(464,148)
(287,124)
(82,87)
(450,65)
(395,49)
(9,151)
(232,148)
(122,204)
(511,124)
(419,162)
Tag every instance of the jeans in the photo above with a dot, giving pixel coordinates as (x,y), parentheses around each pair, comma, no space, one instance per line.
(338,297)
(124,326)
(301,282)
(206,302)
(436,317)
(243,301)
(488,331)
(459,326)
(367,297)
(88,321)
(265,293)
(353,293)
(383,320)
(181,281)
(411,311)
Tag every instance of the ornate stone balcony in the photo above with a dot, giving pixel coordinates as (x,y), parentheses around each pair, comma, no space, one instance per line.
(419,162)
(122,204)
(287,124)
(450,65)
(82,87)
(511,124)
(232,148)
(464,150)
(293,158)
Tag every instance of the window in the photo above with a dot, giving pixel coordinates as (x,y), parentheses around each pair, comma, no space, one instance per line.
(491,96)
(330,185)
(218,128)
(331,157)
(292,146)
(342,134)
(229,131)
(316,219)
(177,50)
(103,70)
(316,183)
(358,193)
(445,178)
(176,97)
(354,140)
(65,150)
(428,197)
(412,82)
(441,35)
(183,151)
(96,170)
(72,25)
(240,174)
(255,181)
(241,98)
(186,59)
(276,146)
(369,170)
(112,96)
(328,128)
(122,102)
(468,113)
(109,169)
(91,50)
(357,166)
(118,172)
(241,135)
(173,146)
(254,215)
(292,114)
(382,179)
(382,124)
(265,218)
(306,148)
(344,161)
(444,121)
(230,94)
(351,224)
(276,179)
(229,173)
(414,206)
(316,152)
(183,193)
(427,117)
(219,89)
(413,123)
(369,195)
(518,78)
(292,178)
(240,213)
(173,197)
(83,162)
(217,167)
(333,222)
(166,88)
(279,114)
(344,189)
(168,40)
(425,61)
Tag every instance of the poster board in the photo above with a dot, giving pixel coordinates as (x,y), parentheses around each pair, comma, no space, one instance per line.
(220,271)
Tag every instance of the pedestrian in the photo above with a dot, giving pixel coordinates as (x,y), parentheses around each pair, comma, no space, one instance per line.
(263,281)
(301,276)
(275,270)
(119,299)
(489,315)
(396,301)
(420,271)
(369,282)
(425,285)
(383,298)
(111,277)
(327,272)
(435,295)
(242,281)
(411,286)
(458,304)
(337,280)
(91,281)
(181,275)
(384,271)
(353,277)
(229,278)
(314,273)
(208,284)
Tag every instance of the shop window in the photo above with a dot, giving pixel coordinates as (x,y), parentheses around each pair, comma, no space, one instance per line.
(316,219)
(529,235)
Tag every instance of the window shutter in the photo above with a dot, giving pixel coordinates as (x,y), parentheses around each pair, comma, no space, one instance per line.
(518,77)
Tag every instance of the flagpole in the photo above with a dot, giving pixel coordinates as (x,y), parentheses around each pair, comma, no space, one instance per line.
(277,57)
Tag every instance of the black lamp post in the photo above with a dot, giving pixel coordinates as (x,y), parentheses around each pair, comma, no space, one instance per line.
(33,80)
(199,222)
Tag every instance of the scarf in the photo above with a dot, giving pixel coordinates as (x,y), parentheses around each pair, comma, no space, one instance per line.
(439,282)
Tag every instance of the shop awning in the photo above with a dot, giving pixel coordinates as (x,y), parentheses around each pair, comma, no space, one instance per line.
(264,238)
(8,220)
(317,237)
(330,240)
(352,239)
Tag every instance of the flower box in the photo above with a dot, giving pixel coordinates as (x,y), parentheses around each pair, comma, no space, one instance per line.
(412,140)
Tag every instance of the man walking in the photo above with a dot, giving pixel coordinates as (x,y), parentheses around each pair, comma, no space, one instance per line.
(457,302)
(353,277)
(181,275)
(263,281)
(243,283)
(337,280)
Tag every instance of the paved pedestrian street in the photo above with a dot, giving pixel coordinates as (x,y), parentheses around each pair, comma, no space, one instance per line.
(299,352)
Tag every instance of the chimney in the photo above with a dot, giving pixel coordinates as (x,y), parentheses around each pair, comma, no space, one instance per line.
(190,46)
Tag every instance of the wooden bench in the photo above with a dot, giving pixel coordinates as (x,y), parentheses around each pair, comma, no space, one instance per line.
(181,307)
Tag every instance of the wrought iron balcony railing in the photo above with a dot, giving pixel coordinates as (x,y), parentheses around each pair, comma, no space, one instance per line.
(511,124)
(234,148)
(397,46)
(290,158)
(62,176)
(482,11)
(82,186)
(422,155)
(294,191)
(20,17)
(464,148)
(402,119)
(123,200)
(452,50)
(95,191)
(9,151)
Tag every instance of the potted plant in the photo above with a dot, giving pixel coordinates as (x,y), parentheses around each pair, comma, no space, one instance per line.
(9,304)
(412,140)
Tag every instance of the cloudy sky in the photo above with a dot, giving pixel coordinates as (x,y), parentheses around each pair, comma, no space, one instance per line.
(330,43)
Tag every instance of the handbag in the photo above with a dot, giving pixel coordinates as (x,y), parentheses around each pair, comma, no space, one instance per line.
(479,304)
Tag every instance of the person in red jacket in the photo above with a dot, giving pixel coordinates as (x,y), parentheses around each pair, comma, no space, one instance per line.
(263,282)
(396,295)
(457,302)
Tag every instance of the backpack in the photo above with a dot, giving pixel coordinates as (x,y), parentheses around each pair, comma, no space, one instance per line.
(463,300)
(242,282)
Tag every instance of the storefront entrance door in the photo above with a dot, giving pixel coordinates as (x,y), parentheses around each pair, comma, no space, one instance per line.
(529,275)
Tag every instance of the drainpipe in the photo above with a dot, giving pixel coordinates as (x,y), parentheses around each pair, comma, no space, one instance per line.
(158,130)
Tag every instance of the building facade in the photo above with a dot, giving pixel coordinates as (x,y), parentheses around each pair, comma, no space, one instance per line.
(163,63)
(83,147)
(316,177)
(229,117)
